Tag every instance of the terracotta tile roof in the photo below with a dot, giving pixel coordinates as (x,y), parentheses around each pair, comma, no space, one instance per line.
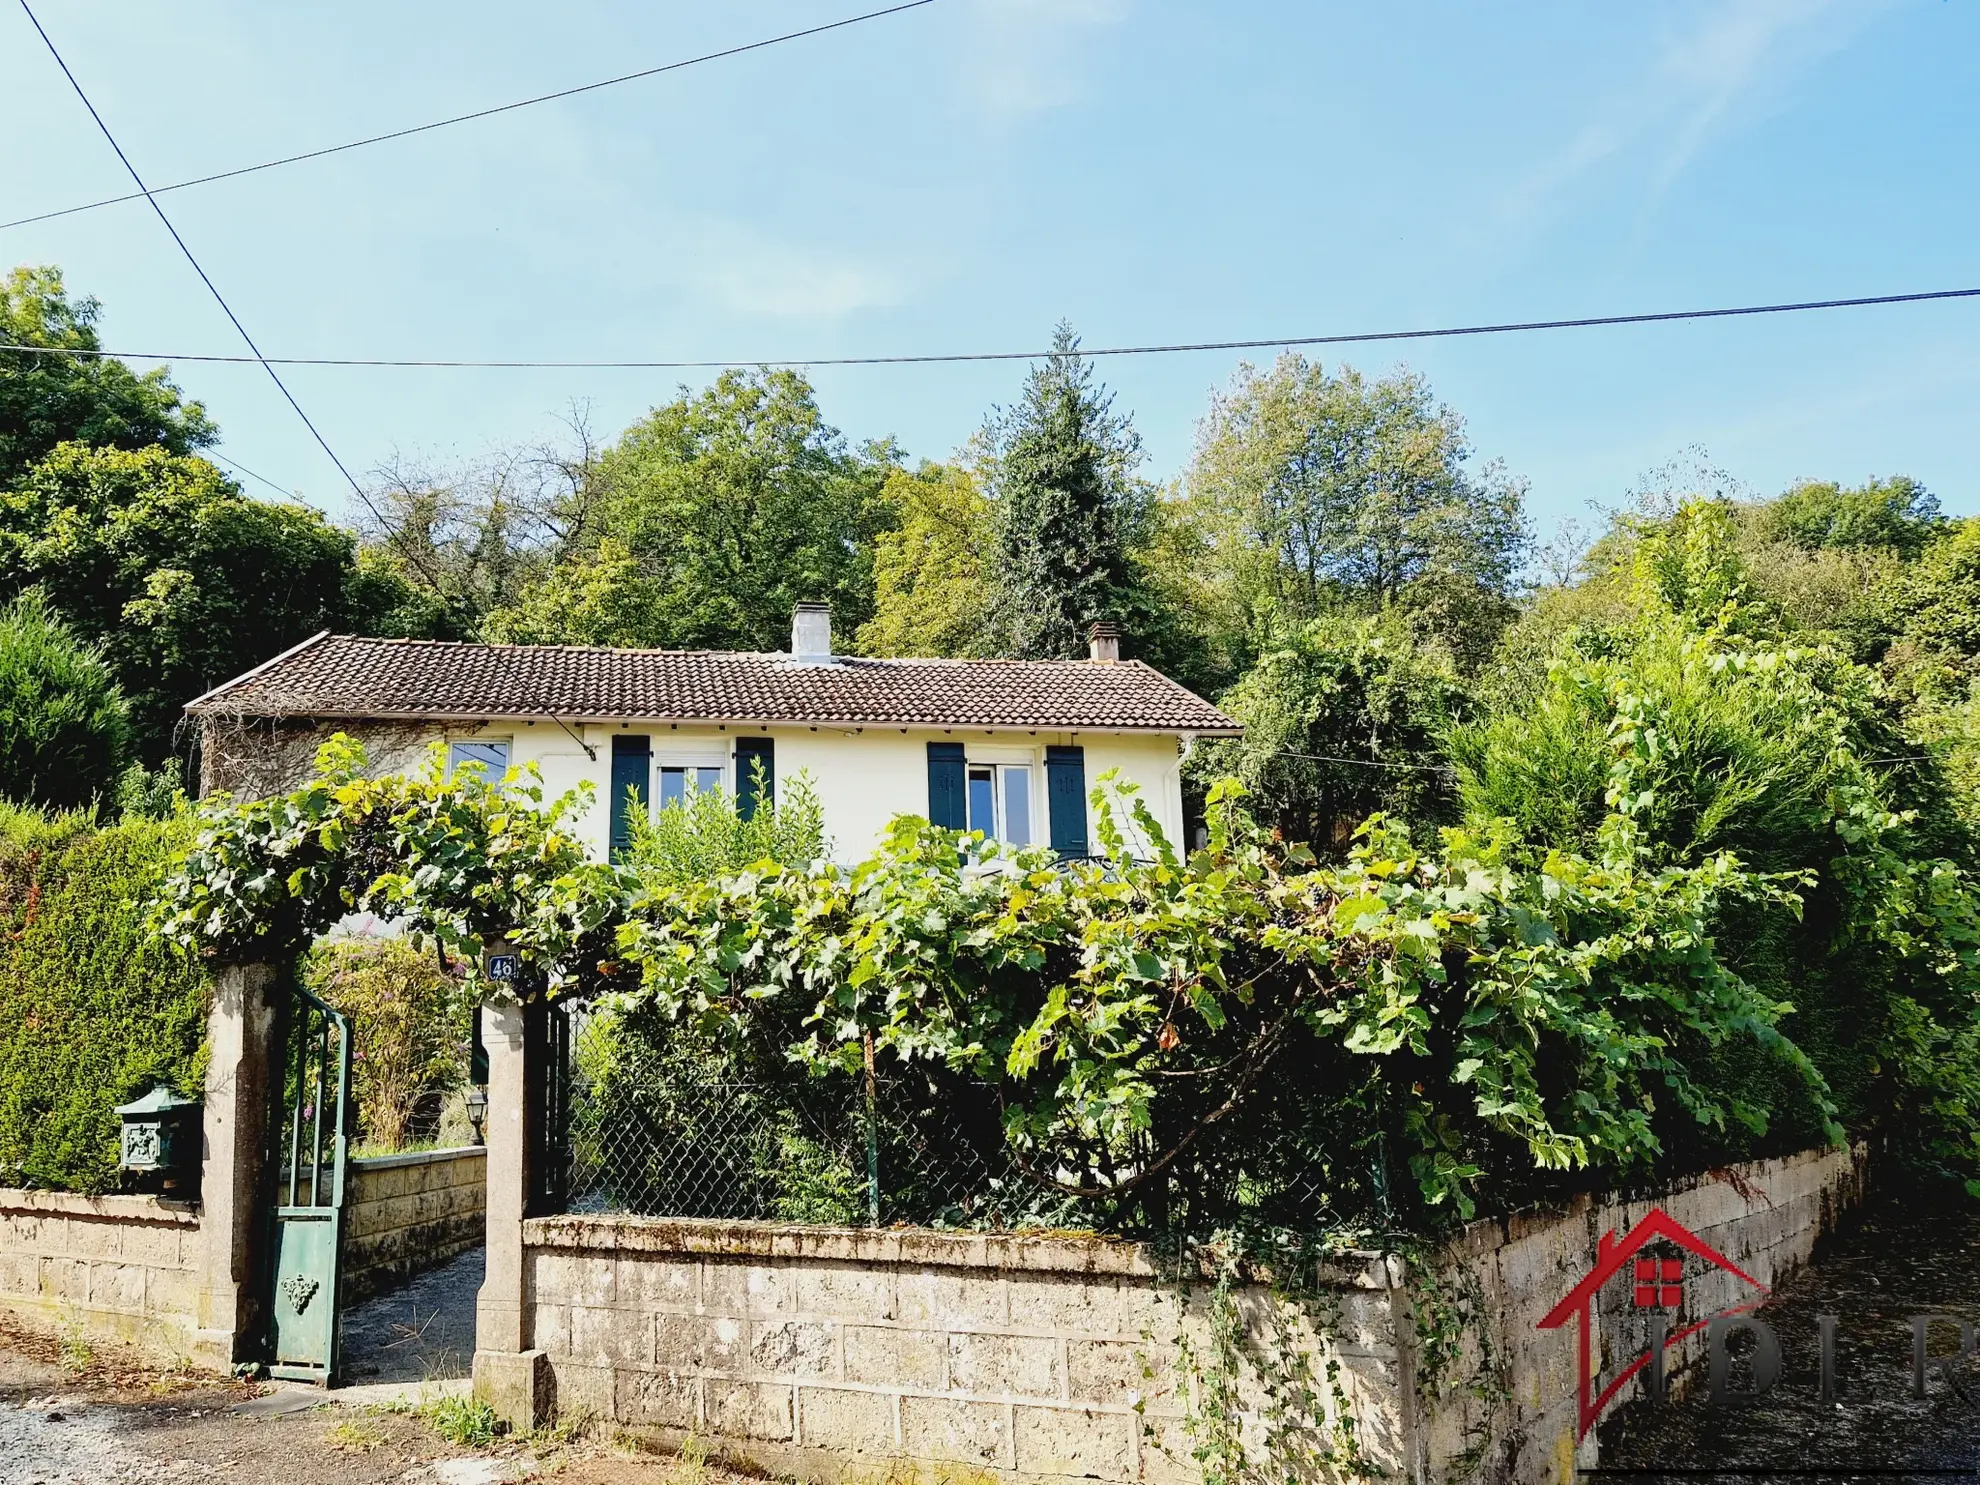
(345,676)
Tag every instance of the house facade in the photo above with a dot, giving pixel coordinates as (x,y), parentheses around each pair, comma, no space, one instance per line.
(1010,747)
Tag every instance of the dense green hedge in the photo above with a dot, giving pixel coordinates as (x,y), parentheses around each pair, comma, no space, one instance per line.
(93,1010)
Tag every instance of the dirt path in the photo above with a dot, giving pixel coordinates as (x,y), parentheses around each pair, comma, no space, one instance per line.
(116,1425)
(423,1331)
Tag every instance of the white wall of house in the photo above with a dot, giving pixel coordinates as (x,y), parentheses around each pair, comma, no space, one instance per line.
(863,777)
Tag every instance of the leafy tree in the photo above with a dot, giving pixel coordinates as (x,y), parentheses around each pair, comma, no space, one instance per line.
(1711,734)
(46,400)
(1897,514)
(1936,607)
(468,540)
(1070,512)
(181,580)
(931,592)
(1323,491)
(1343,718)
(719,512)
(64,729)
(606,597)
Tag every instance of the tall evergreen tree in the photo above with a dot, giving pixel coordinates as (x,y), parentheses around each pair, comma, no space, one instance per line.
(1070,511)
(64,730)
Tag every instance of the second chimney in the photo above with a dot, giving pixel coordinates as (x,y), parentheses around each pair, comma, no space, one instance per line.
(811,634)
(1105,639)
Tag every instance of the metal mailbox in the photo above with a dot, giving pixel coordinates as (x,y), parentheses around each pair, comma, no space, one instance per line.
(160,1136)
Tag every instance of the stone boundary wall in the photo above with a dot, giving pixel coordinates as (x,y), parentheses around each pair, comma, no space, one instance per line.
(830,1352)
(1507,1409)
(835,1353)
(404,1214)
(119,1270)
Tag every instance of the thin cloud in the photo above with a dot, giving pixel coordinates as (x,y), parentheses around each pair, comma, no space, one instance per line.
(1733,63)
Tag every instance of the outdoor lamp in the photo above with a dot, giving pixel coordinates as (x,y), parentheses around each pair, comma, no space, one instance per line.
(477,1111)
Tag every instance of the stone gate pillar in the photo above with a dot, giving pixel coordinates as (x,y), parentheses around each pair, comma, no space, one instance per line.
(238,1160)
(510,1375)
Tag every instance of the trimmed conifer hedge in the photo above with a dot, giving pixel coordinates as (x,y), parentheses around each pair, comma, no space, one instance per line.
(93,1009)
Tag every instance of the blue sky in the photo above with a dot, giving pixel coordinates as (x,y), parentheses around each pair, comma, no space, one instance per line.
(962,176)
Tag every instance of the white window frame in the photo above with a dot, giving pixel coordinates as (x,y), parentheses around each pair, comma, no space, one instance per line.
(997,759)
(494,776)
(687,757)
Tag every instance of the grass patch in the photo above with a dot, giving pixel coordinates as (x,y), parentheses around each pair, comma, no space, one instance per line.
(463,1421)
(75,1352)
(354,1436)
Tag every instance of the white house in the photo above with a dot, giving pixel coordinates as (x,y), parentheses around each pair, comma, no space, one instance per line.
(1007,746)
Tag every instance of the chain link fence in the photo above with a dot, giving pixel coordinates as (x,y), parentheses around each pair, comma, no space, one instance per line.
(655,1130)
(654,1126)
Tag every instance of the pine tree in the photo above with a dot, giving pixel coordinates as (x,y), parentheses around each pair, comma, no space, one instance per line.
(1070,510)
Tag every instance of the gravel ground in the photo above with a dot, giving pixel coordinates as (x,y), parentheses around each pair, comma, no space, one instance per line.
(117,1423)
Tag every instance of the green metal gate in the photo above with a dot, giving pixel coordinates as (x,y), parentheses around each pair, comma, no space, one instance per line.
(309,1211)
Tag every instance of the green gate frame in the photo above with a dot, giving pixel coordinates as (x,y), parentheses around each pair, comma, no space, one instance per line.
(308,1218)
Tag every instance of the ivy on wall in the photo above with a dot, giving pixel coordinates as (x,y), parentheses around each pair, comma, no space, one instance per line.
(93,1009)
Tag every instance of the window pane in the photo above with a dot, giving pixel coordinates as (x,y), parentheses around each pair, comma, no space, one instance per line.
(1017,806)
(492,756)
(673,786)
(983,801)
(708,778)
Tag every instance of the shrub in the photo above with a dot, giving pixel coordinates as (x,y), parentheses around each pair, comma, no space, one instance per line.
(1344,718)
(1712,734)
(64,729)
(411,1026)
(93,1011)
(705,835)
(1241,1035)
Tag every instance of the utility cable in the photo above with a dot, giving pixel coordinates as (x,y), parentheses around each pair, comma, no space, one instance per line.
(235,464)
(463,118)
(220,299)
(1271,343)
(1365,762)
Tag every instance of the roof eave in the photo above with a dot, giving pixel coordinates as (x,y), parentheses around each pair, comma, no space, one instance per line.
(248,675)
(205,707)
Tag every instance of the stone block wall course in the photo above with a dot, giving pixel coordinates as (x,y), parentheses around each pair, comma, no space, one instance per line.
(404,1214)
(831,1351)
(122,1270)
(838,1353)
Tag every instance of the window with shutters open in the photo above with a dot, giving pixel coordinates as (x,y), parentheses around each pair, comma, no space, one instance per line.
(1000,801)
(680,773)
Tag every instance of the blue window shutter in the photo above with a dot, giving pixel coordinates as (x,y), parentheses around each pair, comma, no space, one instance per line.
(947,802)
(1065,799)
(632,767)
(749,752)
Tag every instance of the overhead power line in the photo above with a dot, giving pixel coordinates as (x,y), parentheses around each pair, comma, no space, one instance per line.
(1361,337)
(464,118)
(237,465)
(220,299)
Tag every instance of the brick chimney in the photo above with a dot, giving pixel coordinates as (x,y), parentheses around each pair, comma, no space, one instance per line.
(811,634)
(1105,640)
